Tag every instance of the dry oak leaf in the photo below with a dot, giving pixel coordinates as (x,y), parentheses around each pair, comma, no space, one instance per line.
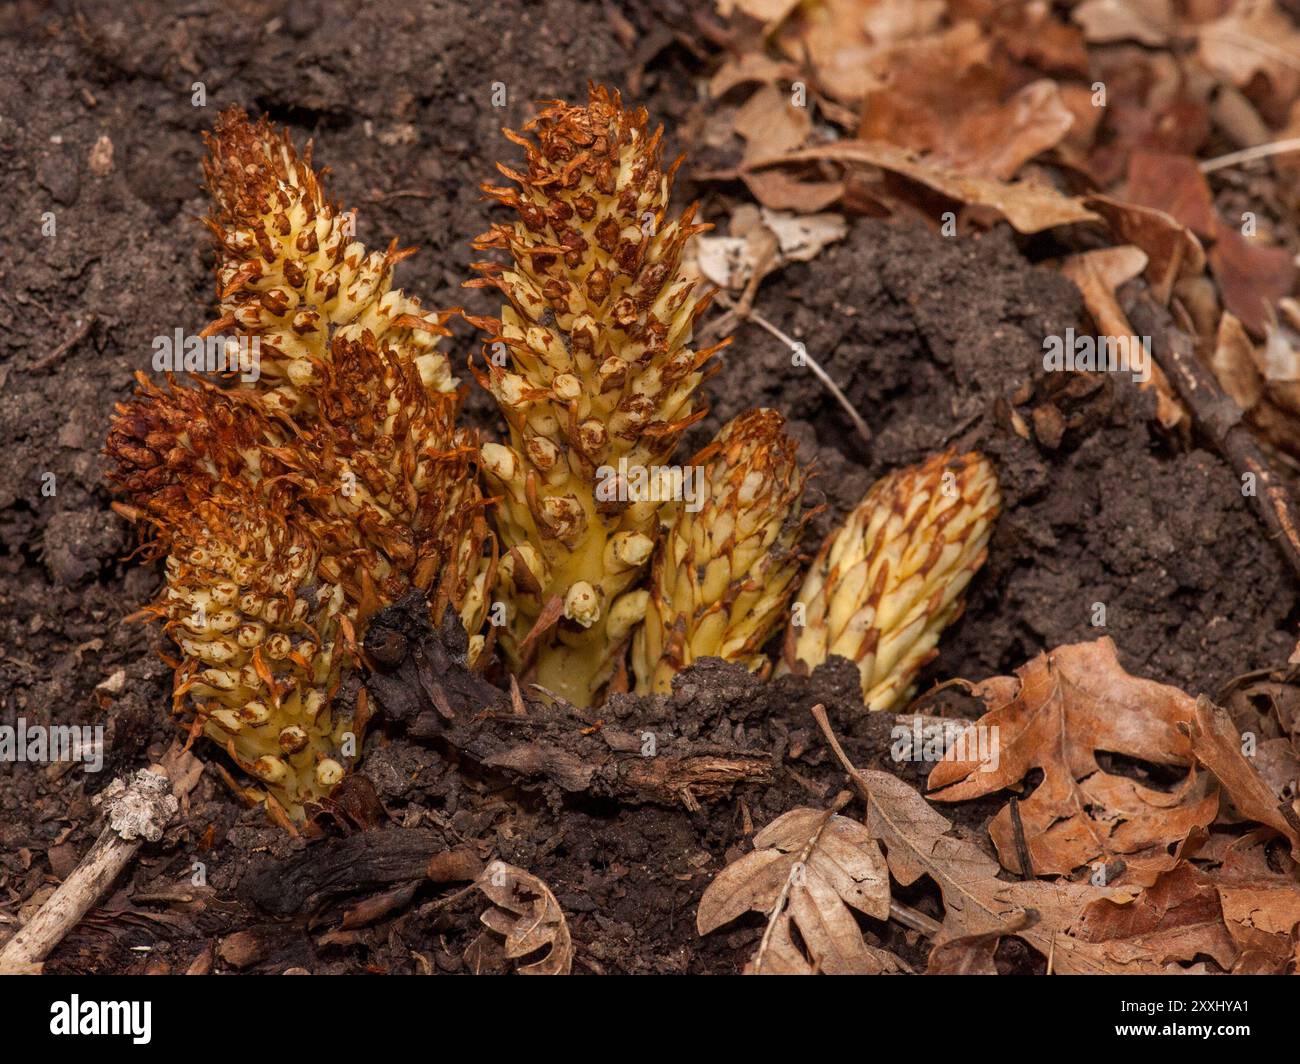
(525,913)
(1252,278)
(973,954)
(1262,913)
(771,12)
(783,192)
(1178,918)
(918,842)
(1216,744)
(946,99)
(1171,248)
(1253,38)
(1173,183)
(749,68)
(770,123)
(1055,714)
(1148,22)
(844,39)
(985,137)
(1233,363)
(807,868)
(1030,208)
(764,243)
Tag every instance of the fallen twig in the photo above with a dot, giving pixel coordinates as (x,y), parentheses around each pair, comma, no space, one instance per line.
(752,315)
(1022,846)
(1249,155)
(79,333)
(1221,419)
(137,810)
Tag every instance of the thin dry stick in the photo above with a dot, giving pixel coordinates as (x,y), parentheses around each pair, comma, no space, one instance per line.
(1220,418)
(79,333)
(1249,155)
(813,365)
(905,916)
(917,921)
(1022,846)
(137,811)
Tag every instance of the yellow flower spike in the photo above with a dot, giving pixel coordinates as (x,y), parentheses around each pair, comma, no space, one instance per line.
(591,364)
(725,569)
(888,582)
(252,692)
(290,271)
(285,536)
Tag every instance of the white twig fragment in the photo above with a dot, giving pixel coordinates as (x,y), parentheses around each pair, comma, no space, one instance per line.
(138,810)
(1247,155)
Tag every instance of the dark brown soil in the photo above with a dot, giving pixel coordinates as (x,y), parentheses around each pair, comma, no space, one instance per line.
(935,340)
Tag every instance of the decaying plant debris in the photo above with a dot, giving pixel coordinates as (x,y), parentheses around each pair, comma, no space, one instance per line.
(615,777)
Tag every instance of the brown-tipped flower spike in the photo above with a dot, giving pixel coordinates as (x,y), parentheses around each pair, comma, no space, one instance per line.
(290,272)
(283,539)
(293,509)
(724,572)
(592,367)
(889,581)
(390,483)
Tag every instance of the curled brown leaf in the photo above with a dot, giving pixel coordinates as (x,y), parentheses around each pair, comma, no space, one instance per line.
(525,913)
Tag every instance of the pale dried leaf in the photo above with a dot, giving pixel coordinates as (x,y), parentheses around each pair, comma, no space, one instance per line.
(1233,363)
(727,261)
(890,21)
(1148,22)
(1253,38)
(526,914)
(777,238)
(1029,208)
(808,867)
(802,237)
(1279,360)
(769,11)
(770,123)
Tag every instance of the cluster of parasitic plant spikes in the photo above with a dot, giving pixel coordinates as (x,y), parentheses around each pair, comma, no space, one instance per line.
(292,508)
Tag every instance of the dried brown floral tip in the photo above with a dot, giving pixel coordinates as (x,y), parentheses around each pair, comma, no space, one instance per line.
(174,447)
(725,570)
(889,581)
(291,273)
(591,364)
(392,484)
